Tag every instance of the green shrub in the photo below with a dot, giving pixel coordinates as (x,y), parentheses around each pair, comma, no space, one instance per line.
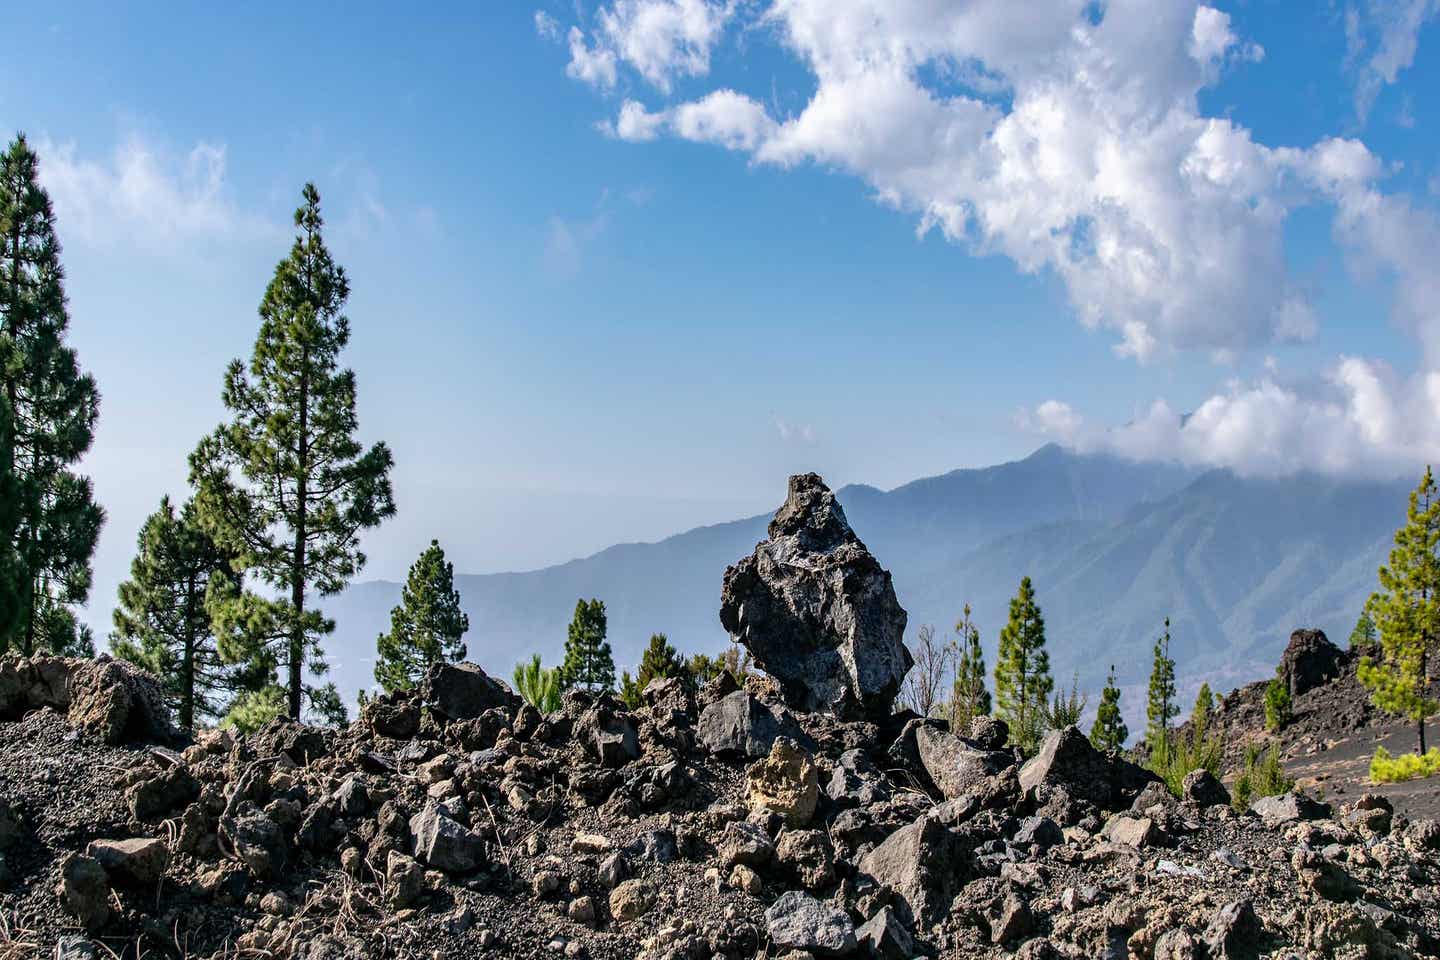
(1263,776)
(1277,705)
(1407,766)
(253,709)
(1174,757)
(539,686)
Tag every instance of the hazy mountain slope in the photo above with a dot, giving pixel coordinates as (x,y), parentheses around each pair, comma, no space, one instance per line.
(1113,547)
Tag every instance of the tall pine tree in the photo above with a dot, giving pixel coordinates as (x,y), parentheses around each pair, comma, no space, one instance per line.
(659,660)
(1109,731)
(1160,706)
(426,627)
(162,622)
(284,483)
(49,522)
(1364,637)
(968,696)
(1406,610)
(1022,670)
(588,661)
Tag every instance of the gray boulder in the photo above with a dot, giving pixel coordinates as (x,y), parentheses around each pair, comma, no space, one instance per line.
(926,864)
(954,765)
(885,937)
(1067,759)
(1288,808)
(798,921)
(816,609)
(443,843)
(462,691)
(738,724)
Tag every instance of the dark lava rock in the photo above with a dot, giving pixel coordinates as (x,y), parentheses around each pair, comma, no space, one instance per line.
(443,843)
(954,765)
(1204,788)
(816,609)
(1289,807)
(739,724)
(885,937)
(462,691)
(1310,660)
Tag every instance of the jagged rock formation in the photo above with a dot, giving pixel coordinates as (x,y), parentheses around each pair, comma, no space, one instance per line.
(816,609)
(1310,660)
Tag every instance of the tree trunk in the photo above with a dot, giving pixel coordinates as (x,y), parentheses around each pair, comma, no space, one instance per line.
(1420,720)
(187,662)
(297,570)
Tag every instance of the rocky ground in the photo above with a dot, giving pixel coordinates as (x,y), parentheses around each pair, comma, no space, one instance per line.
(793,817)
(456,821)
(1334,730)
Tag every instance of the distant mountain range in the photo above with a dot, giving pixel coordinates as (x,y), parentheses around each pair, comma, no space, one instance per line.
(1113,547)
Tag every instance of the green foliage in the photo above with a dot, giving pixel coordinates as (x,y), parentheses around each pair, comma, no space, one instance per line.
(629,691)
(1262,776)
(1407,766)
(327,707)
(968,696)
(162,622)
(1172,758)
(1277,705)
(1067,708)
(702,668)
(284,484)
(427,626)
(588,660)
(659,660)
(1406,611)
(254,708)
(538,685)
(1109,731)
(49,521)
(1160,706)
(1364,637)
(1022,671)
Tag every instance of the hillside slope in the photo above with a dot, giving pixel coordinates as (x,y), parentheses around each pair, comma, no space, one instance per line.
(1113,548)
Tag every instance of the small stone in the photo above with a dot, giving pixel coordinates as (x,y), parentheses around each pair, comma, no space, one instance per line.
(745,843)
(885,937)
(404,880)
(590,843)
(1012,920)
(85,891)
(631,900)
(544,883)
(581,910)
(785,782)
(1132,831)
(745,879)
(140,862)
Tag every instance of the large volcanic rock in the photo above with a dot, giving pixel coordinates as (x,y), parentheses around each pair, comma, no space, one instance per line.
(1310,660)
(816,609)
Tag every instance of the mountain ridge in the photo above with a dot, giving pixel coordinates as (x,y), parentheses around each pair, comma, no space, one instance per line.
(1113,546)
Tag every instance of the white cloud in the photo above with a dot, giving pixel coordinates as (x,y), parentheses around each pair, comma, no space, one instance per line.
(1390,30)
(1164,225)
(659,39)
(547,26)
(1212,40)
(1074,143)
(142,195)
(724,117)
(802,434)
(593,65)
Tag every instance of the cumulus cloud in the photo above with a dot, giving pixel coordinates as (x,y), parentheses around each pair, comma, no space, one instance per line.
(724,118)
(1078,148)
(1073,142)
(142,195)
(659,39)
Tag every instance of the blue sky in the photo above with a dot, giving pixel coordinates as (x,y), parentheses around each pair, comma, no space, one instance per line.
(619,268)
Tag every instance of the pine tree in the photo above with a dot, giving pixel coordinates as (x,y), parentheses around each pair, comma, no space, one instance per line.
(629,692)
(968,697)
(538,685)
(588,661)
(1406,611)
(162,622)
(1364,636)
(1022,670)
(284,483)
(49,522)
(1160,707)
(659,660)
(1109,731)
(427,625)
